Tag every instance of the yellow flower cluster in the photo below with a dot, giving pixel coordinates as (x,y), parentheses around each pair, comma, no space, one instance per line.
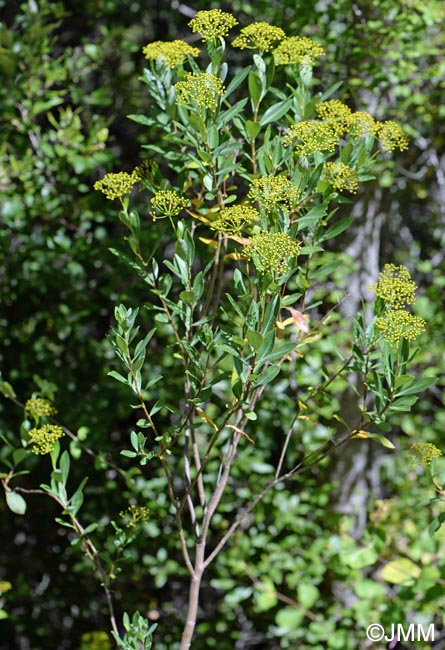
(5,586)
(398,323)
(271,251)
(115,186)
(341,176)
(259,36)
(298,50)
(212,24)
(39,407)
(423,453)
(336,113)
(134,515)
(174,52)
(361,124)
(167,203)
(232,220)
(271,190)
(45,438)
(200,88)
(391,136)
(313,136)
(396,286)
(96,641)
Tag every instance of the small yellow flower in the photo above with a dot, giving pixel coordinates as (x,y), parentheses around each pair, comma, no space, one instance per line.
(232,220)
(96,640)
(336,113)
(134,515)
(258,36)
(298,50)
(397,324)
(313,136)
(361,124)
(423,453)
(212,24)
(167,203)
(396,286)
(341,176)
(271,190)
(45,438)
(115,186)
(391,136)
(39,407)
(271,251)
(200,88)
(5,586)
(174,52)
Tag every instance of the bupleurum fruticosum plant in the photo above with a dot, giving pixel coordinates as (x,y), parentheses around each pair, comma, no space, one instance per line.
(256,175)
(242,185)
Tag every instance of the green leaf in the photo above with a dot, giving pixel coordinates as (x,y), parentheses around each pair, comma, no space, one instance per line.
(265,595)
(229,114)
(15,502)
(141,119)
(267,376)
(361,557)
(308,594)
(236,81)
(377,437)
(336,229)
(252,128)
(117,376)
(400,571)
(128,454)
(255,339)
(312,216)
(187,296)
(417,386)
(276,111)
(65,466)
(7,390)
(255,88)
(289,619)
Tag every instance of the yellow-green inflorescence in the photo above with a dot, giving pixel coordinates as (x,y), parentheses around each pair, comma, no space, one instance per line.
(134,515)
(399,323)
(212,24)
(259,36)
(361,124)
(423,453)
(298,50)
(5,586)
(167,203)
(201,88)
(232,220)
(341,176)
(45,437)
(391,136)
(336,113)
(115,186)
(96,640)
(271,191)
(271,251)
(38,407)
(312,136)
(173,52)
(395,286)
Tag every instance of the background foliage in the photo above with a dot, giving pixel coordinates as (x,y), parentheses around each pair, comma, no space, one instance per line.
(308,567)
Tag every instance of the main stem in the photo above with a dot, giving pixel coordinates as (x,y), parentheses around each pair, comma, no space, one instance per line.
(195,587)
